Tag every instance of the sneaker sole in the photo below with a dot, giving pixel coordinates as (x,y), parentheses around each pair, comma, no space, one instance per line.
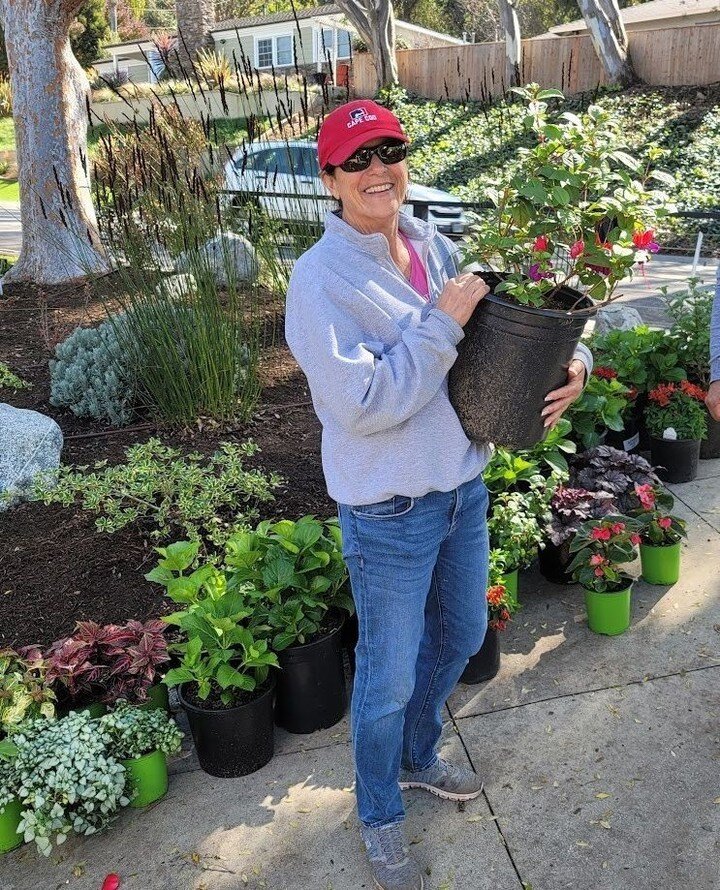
(438,792)
(380,886)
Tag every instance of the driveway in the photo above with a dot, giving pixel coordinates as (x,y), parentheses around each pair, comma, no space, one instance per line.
(10,229)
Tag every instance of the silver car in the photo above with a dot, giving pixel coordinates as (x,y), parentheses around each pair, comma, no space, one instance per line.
(283,178)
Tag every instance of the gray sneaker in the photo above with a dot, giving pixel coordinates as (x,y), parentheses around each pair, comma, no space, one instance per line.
(446,780)
(392,865)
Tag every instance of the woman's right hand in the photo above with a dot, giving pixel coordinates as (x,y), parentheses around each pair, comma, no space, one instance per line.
(461,295)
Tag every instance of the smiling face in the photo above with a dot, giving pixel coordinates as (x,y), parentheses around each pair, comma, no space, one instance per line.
(371,199)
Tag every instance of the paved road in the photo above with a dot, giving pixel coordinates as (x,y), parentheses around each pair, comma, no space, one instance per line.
(10,230)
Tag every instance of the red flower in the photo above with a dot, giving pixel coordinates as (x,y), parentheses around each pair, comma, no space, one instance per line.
(618,528)
(599,573)
(664,522)
(633,394)
(597,559)
(496,594)
(662,394)
(635,539)
(605,373)
(577,249)
(600,534)
(645,241)
(690,389)
(111,882)
(541,243)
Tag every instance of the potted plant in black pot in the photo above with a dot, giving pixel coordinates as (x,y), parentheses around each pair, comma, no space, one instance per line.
(601,547)
(601,410)
(298,570)
(563,231)
(660,534)
(224,677)
(691,311)
(485,664)
(676,418)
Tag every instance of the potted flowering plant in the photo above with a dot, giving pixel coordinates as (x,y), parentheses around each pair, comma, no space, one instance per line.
(676,419)
(485,664)
(601,547)
(142,740)
(569,508)
(660,534)
(566,226)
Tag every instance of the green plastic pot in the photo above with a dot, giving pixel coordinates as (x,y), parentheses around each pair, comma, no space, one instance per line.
(157,699)
(148,778)
(608,613)
(510,580)
(9,821)
(660,565)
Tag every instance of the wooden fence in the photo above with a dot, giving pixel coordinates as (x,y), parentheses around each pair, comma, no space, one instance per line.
(667,57)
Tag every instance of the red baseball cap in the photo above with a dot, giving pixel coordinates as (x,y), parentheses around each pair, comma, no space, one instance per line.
(351,125)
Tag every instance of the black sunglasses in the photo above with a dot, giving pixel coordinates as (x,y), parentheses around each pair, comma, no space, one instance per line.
(388,152)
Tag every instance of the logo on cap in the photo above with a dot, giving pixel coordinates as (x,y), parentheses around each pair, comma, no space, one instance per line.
(359,116)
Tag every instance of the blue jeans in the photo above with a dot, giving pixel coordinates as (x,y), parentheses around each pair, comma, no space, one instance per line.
(418,569)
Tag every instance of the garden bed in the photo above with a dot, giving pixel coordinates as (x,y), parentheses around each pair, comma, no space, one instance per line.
(55,568)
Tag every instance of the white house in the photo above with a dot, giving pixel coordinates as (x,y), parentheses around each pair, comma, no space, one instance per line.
(654,14)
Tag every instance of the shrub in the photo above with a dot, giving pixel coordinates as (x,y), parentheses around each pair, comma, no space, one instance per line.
(65,778)
(641,357)
(133,732)
(93,375)
(25,693)
(5,96)
(9,380)
(204,500)
(214,66)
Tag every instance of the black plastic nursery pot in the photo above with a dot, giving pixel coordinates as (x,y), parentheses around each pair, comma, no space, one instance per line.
(710,446)
(675,460)
(510,358)
(350,634)
(553,562)
(311,692)
(485,664)
(627,439)
(234,741)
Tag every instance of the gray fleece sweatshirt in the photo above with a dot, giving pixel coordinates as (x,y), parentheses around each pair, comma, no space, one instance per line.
(715,333)
(377,356)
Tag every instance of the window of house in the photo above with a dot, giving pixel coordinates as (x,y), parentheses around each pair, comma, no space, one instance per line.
(343,47)
(276,51)
(265,53)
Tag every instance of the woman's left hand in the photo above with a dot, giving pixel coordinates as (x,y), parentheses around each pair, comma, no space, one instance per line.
(559,400)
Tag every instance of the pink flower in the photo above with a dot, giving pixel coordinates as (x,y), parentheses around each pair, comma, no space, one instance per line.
(618,528)
(535,274)
(541,243)
(600,534)
(597,559)
(645,495)
(635,539)
(599,573)
(577,249)
(664,522)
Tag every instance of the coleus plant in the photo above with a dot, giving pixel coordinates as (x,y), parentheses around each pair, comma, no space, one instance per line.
(658,527)
(24,691)
(601,547)
(579,210)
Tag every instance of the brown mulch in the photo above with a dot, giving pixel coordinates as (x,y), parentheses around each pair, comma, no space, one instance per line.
(55,567)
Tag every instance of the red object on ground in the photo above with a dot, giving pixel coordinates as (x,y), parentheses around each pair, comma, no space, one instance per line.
(111,882)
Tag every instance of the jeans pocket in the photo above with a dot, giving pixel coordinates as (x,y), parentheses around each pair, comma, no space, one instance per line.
(389,509)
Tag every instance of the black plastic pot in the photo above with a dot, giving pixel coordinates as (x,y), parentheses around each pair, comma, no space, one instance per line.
(510,358)
(627,439)
(710,447)
(350,633)
(312,693)
(675,460)
(485,664)
(553,562)
(235,741)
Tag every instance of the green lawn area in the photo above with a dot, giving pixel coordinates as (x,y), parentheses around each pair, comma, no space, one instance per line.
(9,190)
(7,134)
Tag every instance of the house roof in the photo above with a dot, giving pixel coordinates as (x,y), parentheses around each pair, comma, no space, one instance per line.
(651,11)
(275,18)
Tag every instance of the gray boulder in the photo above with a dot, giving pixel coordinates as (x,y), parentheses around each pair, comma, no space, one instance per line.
(229,257)
(617,317)
(30,443)
(177,287)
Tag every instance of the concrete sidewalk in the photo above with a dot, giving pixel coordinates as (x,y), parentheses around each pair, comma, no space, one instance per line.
(601,758)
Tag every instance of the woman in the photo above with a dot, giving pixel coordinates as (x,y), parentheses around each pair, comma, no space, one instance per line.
(375,311)
(713,397)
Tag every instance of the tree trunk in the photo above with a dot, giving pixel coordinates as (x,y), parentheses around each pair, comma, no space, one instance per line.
(609,38)
(50,91)
(513,43)
(374,21)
